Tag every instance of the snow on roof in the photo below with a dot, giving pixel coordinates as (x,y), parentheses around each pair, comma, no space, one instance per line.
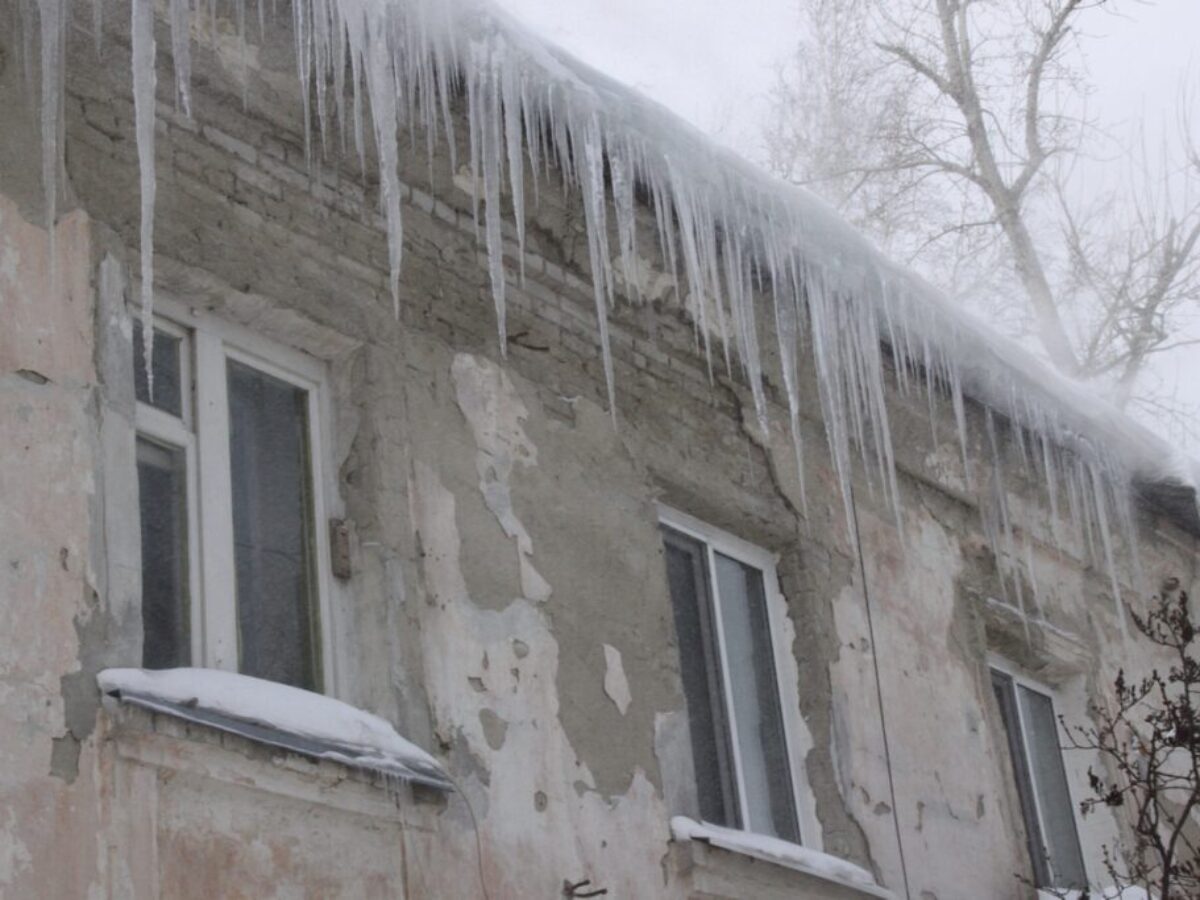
(277,714)
(766,250)
(784,853)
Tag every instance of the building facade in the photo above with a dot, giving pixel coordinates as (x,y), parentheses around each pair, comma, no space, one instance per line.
(613,633)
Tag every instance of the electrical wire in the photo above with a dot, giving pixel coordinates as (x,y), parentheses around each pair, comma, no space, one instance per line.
(887,750)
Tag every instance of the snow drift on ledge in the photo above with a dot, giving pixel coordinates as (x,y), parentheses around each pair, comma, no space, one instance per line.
(278,713)
(743,248)
(784,853)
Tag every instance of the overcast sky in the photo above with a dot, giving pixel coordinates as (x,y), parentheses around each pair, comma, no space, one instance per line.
(714,61)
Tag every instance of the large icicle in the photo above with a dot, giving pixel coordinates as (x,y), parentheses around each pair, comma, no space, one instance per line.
(145,79)
(588,144)
(380,71)
(487,128)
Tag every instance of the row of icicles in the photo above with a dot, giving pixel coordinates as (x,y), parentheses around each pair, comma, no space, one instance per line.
(721,229)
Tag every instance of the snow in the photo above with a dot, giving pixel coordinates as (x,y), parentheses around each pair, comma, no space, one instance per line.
(742,247)
(785,853)
(353,736)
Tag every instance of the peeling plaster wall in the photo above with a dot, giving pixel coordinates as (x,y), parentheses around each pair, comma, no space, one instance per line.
(508,607)
(48,588)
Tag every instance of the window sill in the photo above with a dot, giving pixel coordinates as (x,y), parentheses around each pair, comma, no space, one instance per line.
(724,862)
(277,716)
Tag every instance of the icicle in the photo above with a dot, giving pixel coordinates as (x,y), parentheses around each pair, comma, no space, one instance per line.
(588,144)
(145,80)
(181,54)
(787,329)
(50,15)
(693,263)
(960,421)
(360,145)
(490,121)
(626,215)
(380,79)
(510,98)
(1107,541)
(300,20)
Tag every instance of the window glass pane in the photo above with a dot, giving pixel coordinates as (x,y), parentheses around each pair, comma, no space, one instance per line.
(1006,697)
(687,576)
(168,390)
(758,718)
(162,499)
(272,527)
(1050,781)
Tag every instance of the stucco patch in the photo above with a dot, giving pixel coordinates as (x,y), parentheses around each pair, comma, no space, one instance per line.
(615,683)
(492,682)
(494,728)
(495,413)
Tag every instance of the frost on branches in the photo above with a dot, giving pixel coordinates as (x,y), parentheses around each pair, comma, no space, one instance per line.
(743,248)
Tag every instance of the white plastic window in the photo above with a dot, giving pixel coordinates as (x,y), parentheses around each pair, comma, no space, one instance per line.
(738,679)
(1031,728)
(230,475)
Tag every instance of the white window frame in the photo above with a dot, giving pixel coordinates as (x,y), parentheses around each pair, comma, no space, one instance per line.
(795,731)
(203,433)
(1020,679)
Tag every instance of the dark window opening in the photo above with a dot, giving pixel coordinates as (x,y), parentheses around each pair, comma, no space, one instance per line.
(162,501)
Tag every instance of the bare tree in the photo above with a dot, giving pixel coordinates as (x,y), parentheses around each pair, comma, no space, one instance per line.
(1148,741)
(953,129)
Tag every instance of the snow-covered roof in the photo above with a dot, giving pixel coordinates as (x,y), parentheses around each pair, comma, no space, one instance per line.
(278,715)
(767,250)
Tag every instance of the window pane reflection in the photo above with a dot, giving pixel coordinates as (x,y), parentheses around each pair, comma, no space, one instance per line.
(272,527)
(687,576)
(162,498)
(766,778)
(168,382)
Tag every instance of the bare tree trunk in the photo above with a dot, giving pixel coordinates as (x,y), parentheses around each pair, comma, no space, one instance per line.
(1050,329)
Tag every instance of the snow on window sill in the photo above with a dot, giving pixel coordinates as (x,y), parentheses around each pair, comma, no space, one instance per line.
(1107,893)
(277,715)
(782,853)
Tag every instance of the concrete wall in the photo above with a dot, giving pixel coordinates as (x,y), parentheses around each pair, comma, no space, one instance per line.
(507,563)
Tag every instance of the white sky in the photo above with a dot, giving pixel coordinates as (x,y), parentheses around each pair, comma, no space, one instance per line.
(714,61)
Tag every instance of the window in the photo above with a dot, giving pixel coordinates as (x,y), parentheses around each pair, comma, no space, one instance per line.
(725,596)
(228,459)
(1041,780)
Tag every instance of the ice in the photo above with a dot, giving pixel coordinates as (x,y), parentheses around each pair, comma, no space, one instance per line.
(754,253)
(488,68)
(181,53)
(50,14)
(380,71)
(145,80)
